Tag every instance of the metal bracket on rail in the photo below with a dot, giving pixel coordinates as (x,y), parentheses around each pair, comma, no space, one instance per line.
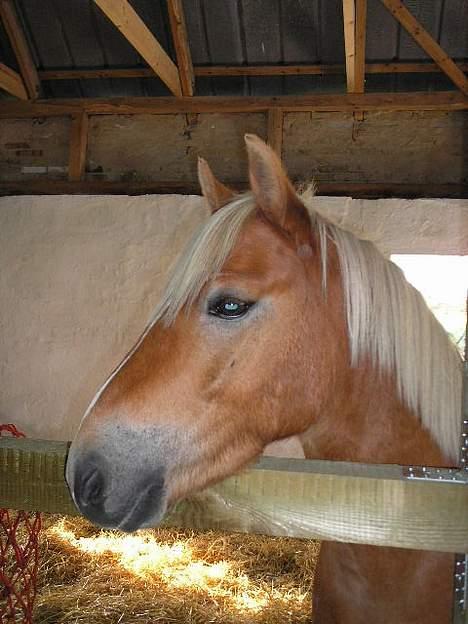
(460,589)
(460,593)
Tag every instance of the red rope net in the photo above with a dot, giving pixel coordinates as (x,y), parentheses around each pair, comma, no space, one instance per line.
(19,558)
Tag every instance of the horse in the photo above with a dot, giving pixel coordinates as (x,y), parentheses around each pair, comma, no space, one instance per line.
(278,325)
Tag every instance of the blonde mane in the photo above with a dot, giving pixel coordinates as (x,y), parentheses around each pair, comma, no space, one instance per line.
(387,318)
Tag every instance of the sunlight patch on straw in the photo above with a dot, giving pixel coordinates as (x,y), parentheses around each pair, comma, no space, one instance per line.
(174,564)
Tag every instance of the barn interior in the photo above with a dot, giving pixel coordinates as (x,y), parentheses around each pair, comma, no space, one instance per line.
(105,107)
(370,104)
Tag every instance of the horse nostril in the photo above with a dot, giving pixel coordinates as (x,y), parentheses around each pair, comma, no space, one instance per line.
(90,489)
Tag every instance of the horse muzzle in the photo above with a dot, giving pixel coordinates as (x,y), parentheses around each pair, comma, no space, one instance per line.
(113,499)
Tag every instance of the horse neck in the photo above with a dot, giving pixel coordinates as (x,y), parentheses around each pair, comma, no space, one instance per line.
(365,421)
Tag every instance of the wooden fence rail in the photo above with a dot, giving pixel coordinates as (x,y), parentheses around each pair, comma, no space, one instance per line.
(372,504)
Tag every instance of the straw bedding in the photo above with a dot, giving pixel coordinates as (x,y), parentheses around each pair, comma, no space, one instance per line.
(89,576)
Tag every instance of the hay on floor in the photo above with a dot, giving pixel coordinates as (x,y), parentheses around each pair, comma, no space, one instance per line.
(88,576)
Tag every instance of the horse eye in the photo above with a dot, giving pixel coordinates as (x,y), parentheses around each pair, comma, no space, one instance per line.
(229,307)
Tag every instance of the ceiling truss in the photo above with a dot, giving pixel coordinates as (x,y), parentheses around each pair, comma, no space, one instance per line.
(180,78)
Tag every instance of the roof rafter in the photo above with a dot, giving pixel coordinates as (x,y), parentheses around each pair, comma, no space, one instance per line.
(354,22)
(181,44)
(12,82)
(21,48)
(130,24)
(427,43)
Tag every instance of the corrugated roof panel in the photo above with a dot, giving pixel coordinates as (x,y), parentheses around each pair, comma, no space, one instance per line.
(196,32)
(44,29)
(300,26)
(222,21)
(260,21)
(7,56)
(26,30)
(76,33)
(423,82)
(381,33)
(262,34)
(48,43)
(331,32)
(454,35)
(80,34)
(84,47)
(223,32)
(428,13)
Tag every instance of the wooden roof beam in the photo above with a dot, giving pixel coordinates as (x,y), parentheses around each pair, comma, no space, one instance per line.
(12,82)
(42,185)
(440,100)
(130,24)
(181,44)
(244,70)
(427,43)
(354,21)
(21,48)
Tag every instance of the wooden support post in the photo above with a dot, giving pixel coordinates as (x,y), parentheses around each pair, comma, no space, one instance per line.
(427,43)
(20,47)
(354,21)
(349,24)
(181,44)
(275,130)
(78,147)
(360,59)
(127,20)
(12,82)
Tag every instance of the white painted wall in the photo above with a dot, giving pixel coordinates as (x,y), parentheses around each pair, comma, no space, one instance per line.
(80,276)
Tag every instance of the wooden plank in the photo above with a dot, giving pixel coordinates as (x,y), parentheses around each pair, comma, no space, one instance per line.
(260,70)
(275,129)
(370,504)
(21,48)
(181,44)
(360,58)
(349,24)
(78,147)
(427,43)
(354,22)
(43,186)
(407,68)
(12,82)
(125,18)
(439,101)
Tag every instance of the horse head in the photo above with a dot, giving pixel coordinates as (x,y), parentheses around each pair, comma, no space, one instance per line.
(244,349)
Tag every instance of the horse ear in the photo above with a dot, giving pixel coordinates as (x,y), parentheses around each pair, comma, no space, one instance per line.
(272,189)
(216,194)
